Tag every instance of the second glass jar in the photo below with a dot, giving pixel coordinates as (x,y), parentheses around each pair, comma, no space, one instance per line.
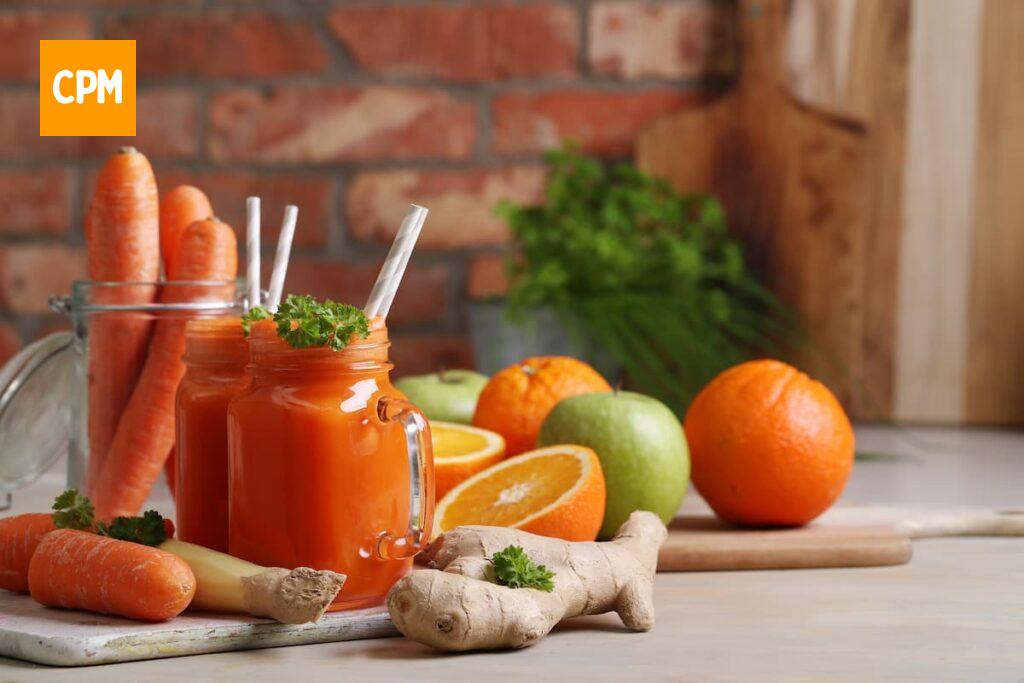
(216,355)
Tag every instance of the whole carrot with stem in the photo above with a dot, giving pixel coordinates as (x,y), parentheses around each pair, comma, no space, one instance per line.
(123,242)
(145,433)
(82,570)
(180,207)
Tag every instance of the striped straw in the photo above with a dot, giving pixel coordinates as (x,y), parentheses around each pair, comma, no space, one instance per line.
(252,252)
(384,289)
(284,250)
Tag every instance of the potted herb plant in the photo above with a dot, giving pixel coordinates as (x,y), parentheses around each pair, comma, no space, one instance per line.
(617,268)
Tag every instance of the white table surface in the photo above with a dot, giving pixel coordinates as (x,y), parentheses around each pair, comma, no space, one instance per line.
(955,613)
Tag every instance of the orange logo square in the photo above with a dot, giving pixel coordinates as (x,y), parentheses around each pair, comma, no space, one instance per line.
(86,87)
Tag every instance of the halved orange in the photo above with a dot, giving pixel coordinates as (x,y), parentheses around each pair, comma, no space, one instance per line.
(555,491)
(461,451)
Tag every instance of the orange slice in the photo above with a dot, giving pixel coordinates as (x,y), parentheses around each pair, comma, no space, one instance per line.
(461,451)
(556,491)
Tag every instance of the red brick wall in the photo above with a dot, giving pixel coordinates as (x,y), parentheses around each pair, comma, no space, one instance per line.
(350,110)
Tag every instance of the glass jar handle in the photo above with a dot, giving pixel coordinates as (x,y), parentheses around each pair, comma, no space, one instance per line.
(421,479)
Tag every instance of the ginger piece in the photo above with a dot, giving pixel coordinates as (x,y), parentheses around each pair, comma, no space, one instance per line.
(456,606)
(229,584)
(291,596)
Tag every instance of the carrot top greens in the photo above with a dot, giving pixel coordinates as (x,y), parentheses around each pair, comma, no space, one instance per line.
(72,510)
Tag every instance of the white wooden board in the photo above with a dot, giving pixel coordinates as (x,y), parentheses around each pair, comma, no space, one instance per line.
(59,637)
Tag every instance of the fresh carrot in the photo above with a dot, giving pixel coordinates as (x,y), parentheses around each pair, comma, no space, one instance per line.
(19,536)
(146,432)
(123,239)
(180,207)
(82,570)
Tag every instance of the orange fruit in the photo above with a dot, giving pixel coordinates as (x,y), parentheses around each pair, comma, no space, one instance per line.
(517,399)
(769,446)
(556,491)
(461,451)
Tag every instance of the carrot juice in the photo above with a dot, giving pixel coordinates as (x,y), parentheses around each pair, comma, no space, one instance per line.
(330,466)
(216,353)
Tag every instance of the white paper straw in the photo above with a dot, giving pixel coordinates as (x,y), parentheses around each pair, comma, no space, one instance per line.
(389,295)
(284,250)
(252,252)
(384,289)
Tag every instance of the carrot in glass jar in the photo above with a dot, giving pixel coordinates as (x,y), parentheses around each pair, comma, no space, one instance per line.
(145,433)
(180,207)
(82,570)
(123,242)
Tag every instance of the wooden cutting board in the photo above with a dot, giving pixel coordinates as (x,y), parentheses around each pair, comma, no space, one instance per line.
(869,154)
(843,537)
(60,637)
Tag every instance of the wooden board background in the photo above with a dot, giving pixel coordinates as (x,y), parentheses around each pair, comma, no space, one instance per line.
(869,154)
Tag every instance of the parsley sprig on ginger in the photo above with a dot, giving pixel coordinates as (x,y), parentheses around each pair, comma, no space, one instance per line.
(514,568)
(304,322)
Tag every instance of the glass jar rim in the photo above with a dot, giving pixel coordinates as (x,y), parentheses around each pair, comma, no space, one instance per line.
(218,340)
(79,301)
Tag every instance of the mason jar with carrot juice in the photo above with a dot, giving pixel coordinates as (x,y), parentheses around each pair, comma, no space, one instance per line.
(331,467)
(216,355)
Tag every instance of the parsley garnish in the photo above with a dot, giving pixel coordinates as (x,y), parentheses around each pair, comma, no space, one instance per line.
(148,529)
(252,315)
(513,568)
(304,322)
(72,510)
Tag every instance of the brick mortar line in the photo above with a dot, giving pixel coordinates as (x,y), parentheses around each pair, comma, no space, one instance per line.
(217,85)
(31,239)
(583,23)
(336,227)
(303,171)
(76,231)
(202,131)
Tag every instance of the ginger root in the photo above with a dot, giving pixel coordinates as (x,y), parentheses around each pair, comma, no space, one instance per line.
(292,596)
(455,605)
(228,584)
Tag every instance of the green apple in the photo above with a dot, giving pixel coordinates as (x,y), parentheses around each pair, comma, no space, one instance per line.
(640,444)
(449,395)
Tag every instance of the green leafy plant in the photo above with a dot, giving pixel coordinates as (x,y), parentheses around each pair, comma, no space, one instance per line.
(304,322)
(651,275)
(149,529)
(254,314)
(513,568)
(72,510)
